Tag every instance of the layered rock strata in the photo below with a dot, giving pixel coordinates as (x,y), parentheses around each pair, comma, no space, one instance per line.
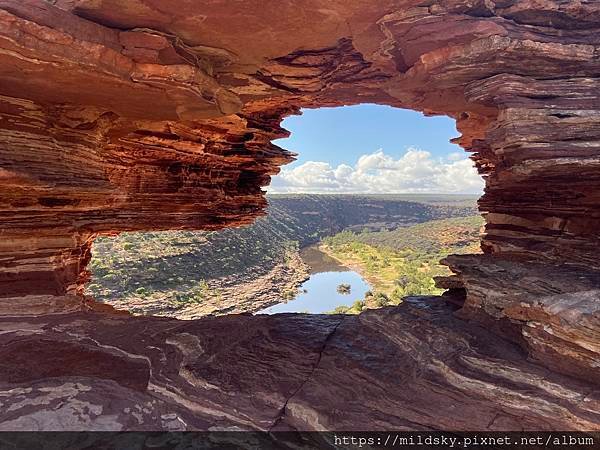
(405,368)
(149,114)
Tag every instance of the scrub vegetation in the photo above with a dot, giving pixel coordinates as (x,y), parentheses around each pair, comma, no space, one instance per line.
(403,262)
(181,269)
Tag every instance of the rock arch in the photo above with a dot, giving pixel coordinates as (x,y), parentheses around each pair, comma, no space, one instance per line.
(141,116)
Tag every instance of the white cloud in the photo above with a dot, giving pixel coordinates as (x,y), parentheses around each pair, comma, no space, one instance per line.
(455,156)
(414,172)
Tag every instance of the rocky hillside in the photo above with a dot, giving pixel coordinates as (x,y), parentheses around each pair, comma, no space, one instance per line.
(453,235)
(164,272)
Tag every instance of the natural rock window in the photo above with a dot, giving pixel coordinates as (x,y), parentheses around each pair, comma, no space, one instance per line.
(401,195)
(151,115)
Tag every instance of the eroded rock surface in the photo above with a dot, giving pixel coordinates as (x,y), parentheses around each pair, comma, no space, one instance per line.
(409,367)
(553,311)
(150,114)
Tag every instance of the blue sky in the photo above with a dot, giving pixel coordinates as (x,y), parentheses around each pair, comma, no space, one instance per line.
(342,135)
(374,149)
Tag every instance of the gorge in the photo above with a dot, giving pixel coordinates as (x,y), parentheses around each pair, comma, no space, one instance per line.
(153,115)
(189,274)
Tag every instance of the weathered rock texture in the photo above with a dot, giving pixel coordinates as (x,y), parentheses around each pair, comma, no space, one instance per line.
(410,367)
(155,114)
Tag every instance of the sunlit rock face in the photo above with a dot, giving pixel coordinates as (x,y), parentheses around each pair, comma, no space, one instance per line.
(155,114)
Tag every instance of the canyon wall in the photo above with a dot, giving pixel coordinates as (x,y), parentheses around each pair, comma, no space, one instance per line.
(151,114)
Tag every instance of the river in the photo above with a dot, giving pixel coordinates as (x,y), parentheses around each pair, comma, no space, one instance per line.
(319,293)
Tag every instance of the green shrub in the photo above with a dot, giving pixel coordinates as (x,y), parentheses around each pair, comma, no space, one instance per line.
(380,299)
(340,310)
(288,295)
(358,305)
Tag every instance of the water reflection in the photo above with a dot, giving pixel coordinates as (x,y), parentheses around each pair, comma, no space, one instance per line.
(320,262)
(319,293)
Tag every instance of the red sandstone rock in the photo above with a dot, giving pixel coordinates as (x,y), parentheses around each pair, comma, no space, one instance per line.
(412,367)
(552,311)
(150,114)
